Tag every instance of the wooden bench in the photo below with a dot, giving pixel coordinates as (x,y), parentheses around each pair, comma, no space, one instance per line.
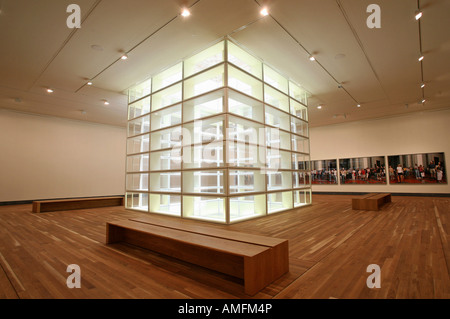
(258,260)
(372,201)
(77,203)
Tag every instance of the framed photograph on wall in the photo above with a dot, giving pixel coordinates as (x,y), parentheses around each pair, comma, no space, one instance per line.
(424,168)
(362,170)
(324,172)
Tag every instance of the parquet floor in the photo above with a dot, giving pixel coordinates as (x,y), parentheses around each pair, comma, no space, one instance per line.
(330,247)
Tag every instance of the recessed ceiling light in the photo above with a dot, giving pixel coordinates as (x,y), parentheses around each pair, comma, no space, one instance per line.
(418,15)
(264,12)
(311,58)
(106,102)
(421,57)
(49,90)
(185,12)
(422,85)
(359,105)
(89,83)
(124,57)
(423,101)
(96,47)
(319,107)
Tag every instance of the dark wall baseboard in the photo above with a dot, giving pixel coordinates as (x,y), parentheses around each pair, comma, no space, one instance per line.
(393,194)
(24,202)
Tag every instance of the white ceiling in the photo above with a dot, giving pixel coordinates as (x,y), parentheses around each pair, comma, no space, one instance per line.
(377,68)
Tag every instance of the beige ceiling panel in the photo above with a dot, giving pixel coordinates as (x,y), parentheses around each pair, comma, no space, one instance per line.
(321,28)
(209,21)
(68,104)
(435,26)
(269,42)
(393,49)
(114,27)
(31,33)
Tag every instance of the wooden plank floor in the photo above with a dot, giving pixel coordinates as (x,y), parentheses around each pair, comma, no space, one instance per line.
(330,247)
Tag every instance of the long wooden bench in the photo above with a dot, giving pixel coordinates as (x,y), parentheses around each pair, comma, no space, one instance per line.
(76,203)
(258,260)
(372,201)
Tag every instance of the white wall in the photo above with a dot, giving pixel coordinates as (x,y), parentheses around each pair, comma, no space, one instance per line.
(420,132)
(44,157)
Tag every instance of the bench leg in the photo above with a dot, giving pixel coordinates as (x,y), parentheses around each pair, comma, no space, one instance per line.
(36,207)
(263,269)
(114,234)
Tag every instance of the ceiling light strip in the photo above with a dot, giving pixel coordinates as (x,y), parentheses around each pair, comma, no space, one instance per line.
(358,40)
(72,33)
(309,54)
(138,44)
(420,50)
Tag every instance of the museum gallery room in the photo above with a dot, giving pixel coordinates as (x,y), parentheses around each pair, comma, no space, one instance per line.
(239,149)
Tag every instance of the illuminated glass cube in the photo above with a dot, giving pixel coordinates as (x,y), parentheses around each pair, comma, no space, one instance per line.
(220,137)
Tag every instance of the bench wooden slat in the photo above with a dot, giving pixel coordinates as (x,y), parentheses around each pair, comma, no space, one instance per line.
(76,203)
(215,232)
(213,243)
(257,264)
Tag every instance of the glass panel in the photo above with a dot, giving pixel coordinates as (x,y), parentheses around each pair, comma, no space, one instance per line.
(277,139)
(138,201)
(139,108)
(245,155)
(247,206)
(276,98)
(165,160)
(209,181)
(168,77)
(299,110)
(278,159)
(204,82)
(205,59)
(202,131)
(165,182)
(203,106)
(204,207)
(299,127)
(166,97)
(137,163)
(165,204)
(279,201)
(245,61)
(300,161)
(245,83)
(168,138)
(299,144)
(137,182)
(300,179)
(139,126)
(167,117)
(279,180)
(203,156)
(242,181)
(140,90)
(296,92)
(245,106)
(138,144)
(277,118)
(245,131)
(275,79)
(302,197)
